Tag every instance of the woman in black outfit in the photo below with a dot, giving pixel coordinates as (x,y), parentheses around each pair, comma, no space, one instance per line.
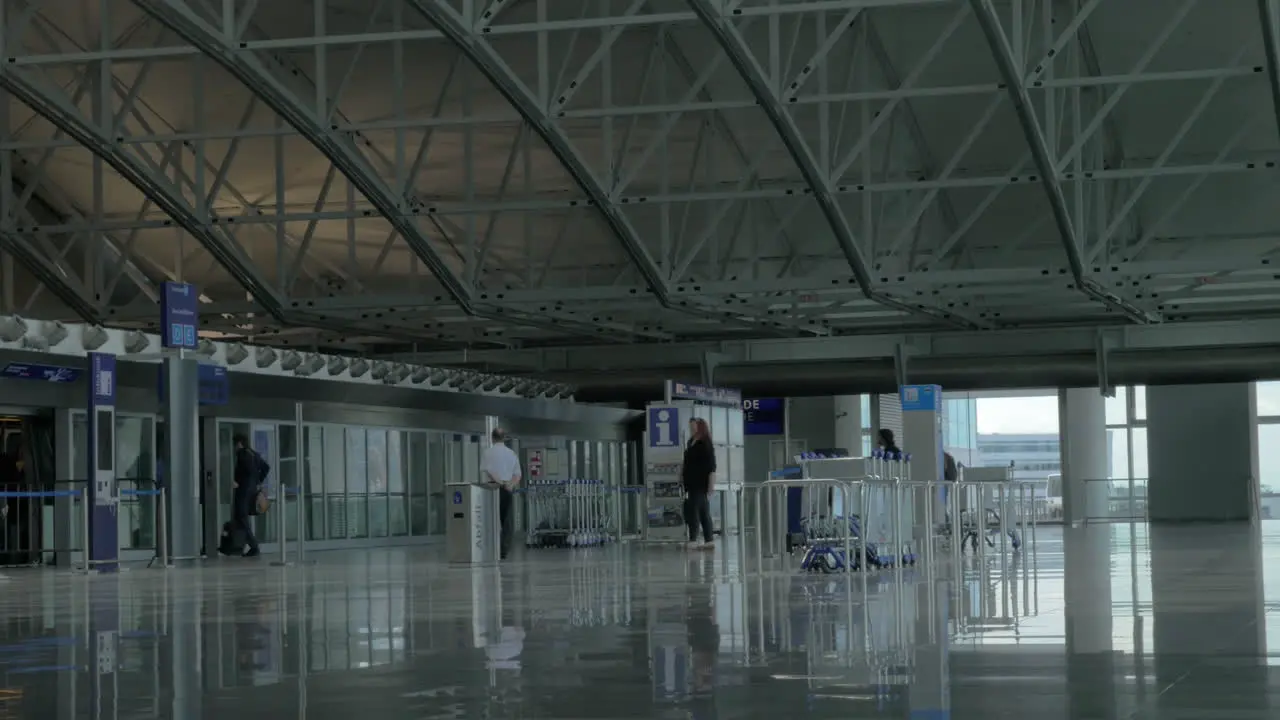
(697,474)
(887,443)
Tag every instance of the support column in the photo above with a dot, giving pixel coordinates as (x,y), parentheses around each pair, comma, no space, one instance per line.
(848,423)
(1082,423)
(181,412)
(1202,447)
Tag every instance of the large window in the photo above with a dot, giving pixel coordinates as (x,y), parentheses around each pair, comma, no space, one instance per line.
(1127,434)
(1268,400)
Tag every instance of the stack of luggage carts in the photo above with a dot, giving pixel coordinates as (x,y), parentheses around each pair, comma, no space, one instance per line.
(569,513)
(822,541)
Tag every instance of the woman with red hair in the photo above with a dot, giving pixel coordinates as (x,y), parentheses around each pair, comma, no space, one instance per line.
(697,474)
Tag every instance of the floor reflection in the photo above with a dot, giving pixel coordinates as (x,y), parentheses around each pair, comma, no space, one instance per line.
(1110,621)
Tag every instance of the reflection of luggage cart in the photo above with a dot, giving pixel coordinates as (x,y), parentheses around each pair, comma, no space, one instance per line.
(571,513)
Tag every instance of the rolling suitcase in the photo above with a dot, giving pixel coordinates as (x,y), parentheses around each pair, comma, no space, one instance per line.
(232,541)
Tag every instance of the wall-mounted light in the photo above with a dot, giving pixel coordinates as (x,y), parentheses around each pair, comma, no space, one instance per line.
(420,374)
(358,368)
(290,360)
(438,376)
(264,357)
(379,370)
(206,347)
(92,337)
(236,353)
(491,383)
(136,341)
(310,365)
(53,332)
(12,328)
(337,364)
(399,373)
(471,383)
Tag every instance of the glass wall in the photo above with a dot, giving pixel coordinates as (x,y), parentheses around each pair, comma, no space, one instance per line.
(135,472)
(1127,434)
(1268,401)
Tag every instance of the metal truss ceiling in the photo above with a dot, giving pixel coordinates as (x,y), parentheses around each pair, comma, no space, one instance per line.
(506,177)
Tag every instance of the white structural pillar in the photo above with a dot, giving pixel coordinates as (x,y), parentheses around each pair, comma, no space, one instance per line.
(848,423)
(1082,423)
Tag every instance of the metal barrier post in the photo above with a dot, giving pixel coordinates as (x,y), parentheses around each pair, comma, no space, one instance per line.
(84,529)
(160,506)
(284,528)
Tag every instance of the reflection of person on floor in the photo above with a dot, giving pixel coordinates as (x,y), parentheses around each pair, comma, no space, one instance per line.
(253,636)
(704,635)
(11,510)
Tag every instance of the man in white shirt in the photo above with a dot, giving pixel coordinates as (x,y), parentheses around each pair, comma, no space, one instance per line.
(501,466)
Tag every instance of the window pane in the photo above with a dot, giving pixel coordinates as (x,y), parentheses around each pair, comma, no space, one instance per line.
(1140,453)
(425,461)
(397,459)
(357,483)
(1139,404)
(335,481)
(1269,456)
(1268,398)
(314,470)
(1118,453)
(378,483)
(1117,412)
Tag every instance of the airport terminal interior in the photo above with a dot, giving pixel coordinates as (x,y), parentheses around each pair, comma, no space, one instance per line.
(973,303)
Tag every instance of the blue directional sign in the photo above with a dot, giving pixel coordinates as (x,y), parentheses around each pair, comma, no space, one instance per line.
(664,427)
(921,397)
(457,497)
(763,416)
(179,315)
(214,385)
(46,373)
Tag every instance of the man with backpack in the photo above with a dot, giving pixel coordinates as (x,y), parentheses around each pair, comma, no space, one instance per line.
(250,473)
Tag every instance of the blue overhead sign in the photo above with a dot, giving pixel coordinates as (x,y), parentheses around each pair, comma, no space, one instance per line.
(179,315)
(726,397)
(921,397)
(46,373)
(214,385)
(763,416)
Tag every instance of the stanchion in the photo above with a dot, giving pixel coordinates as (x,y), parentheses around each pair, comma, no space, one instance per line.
(295,493)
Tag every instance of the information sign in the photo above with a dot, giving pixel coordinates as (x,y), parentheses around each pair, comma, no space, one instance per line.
(179,316)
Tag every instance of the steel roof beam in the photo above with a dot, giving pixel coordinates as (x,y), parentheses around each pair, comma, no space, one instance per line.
(180,19)
(989,21)
(483,56)
(1270,17)
(66,117)
(818,184)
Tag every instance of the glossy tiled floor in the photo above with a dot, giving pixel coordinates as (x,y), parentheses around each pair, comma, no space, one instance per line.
(1114,621)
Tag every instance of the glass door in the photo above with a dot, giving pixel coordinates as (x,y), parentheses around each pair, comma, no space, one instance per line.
(265,441)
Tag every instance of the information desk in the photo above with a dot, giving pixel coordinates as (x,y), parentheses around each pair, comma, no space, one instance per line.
(472,525)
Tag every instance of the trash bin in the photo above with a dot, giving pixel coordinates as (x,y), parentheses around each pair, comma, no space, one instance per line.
(471,530)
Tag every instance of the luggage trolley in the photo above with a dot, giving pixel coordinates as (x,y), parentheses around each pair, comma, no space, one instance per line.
(570,513)
(874,518)
(980,511)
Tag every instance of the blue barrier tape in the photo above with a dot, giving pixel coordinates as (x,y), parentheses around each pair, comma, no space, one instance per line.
(634,490)
(139,493)
(54,494)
